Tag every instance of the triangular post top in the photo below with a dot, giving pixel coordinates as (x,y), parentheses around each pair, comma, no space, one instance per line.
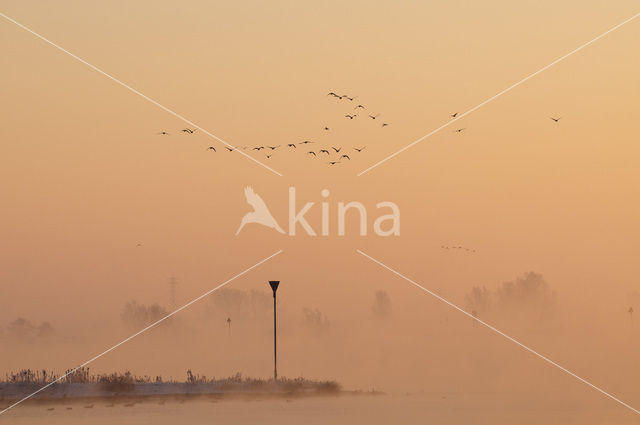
(274,285)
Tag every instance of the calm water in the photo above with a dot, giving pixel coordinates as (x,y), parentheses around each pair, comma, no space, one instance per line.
(389,409)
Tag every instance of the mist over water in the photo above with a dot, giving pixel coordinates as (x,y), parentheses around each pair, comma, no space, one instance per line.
(395,340)
(459,408)
(112,216)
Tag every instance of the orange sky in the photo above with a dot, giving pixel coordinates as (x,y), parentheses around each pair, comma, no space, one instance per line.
(84,177)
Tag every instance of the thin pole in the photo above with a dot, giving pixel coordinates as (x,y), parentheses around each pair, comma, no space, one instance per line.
(274,287)
(275,341)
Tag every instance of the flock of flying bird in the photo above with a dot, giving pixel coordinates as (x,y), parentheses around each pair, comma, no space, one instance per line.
(461,248)
(269,150)
(335,154)
(357,108)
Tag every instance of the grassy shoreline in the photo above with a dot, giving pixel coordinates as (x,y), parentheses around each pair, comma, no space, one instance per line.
(127,386)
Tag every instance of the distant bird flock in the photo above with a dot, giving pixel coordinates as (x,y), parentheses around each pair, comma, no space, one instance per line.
(459,248)
(332,155)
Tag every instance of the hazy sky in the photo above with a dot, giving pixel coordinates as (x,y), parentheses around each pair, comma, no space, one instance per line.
(84,177)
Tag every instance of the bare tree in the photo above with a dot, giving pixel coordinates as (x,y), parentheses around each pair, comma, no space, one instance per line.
(479,299)
(528,297)
(315,321)
(381,304)
(45,329)
(21,328)
(139,315)
(239,304)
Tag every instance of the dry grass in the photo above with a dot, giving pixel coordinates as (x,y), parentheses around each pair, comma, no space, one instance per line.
(125,382)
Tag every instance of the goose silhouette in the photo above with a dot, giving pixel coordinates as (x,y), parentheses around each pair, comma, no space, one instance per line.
(260,213)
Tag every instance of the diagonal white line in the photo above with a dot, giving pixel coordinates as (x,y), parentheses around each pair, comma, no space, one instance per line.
(460,116)
(143,330)
(131,89)
(546,359)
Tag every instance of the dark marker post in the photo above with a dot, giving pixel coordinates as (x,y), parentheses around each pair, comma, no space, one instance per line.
(274,286)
